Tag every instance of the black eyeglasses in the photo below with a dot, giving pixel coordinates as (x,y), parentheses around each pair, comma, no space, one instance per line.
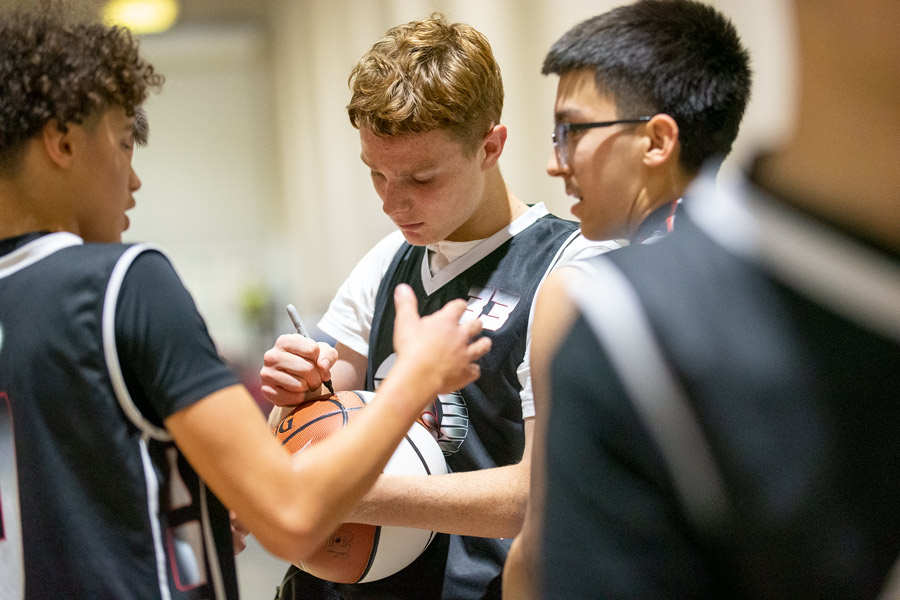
(561,133)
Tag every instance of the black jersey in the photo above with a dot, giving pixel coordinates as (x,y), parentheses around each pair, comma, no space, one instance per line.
(724,417)
(480,426)
(99,343)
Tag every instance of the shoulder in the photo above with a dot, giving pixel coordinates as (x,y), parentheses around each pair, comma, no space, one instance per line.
(544,218)
(146,267)
(554,307)
(538,231)
(389,244)
(87,256)
(675,266)
(374,264)
(380,255)
(116,253)
(564,235)
(76,265)
(580,248)
(686,260)
(697,298)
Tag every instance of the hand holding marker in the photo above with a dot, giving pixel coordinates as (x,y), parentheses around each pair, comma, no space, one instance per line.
(301,329)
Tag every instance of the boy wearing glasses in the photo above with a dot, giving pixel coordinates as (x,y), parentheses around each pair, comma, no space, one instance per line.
(647,94)
(750,451)
(749,443)
(427,101)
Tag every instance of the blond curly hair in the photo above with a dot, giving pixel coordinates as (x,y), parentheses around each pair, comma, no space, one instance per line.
(427,75)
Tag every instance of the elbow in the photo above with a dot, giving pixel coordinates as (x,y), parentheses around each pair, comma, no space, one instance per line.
(513,524)
(514,518)
(297,544)
(517,503)
(294,536)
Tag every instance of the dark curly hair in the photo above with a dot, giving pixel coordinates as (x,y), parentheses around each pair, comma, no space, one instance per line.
(55,67)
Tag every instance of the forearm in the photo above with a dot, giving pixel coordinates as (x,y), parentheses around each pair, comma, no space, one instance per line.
(486,503)
(291,503)
(371,437)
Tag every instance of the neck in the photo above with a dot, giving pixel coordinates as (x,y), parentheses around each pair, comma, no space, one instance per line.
(30,199)
(498,208)
(665,188)
(17,220)
(841,162)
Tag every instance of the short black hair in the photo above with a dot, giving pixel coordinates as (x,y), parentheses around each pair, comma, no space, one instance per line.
(678,57)
(53,66)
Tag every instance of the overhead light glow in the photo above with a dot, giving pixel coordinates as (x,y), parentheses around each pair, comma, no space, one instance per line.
(142,16)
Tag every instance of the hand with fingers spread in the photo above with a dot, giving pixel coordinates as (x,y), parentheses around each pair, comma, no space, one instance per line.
(438,345)
(295,366)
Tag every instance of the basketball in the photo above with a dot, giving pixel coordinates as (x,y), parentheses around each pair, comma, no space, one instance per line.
(357,553)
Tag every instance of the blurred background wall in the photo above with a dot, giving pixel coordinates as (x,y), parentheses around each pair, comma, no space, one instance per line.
(252,179)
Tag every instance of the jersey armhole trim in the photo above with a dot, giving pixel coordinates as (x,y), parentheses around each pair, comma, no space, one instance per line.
(110,349)
(615,314)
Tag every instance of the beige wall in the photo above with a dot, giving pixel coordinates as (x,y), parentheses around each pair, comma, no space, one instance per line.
(252,179)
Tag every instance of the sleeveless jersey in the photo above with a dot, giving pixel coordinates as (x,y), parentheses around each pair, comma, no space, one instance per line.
(97,502)
(732,395)
(480,426)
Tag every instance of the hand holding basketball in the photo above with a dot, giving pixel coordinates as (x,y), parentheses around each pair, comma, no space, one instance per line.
(438,345)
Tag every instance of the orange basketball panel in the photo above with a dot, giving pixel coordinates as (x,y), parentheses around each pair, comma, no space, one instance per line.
(316,419)
(345,557)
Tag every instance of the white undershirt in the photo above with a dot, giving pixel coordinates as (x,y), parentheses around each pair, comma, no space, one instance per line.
(443,253)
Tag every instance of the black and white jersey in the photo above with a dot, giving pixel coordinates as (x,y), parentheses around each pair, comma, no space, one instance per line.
(99,343)
(480,426)
(724,418)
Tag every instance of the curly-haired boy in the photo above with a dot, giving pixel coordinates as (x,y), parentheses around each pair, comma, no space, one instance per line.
(115,410)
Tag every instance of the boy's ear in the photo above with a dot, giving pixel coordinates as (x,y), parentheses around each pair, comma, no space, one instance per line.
(494,142)
(57,144)
(662,134)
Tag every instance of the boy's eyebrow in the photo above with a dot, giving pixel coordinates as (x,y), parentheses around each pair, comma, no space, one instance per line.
(141,126)
(564,115)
